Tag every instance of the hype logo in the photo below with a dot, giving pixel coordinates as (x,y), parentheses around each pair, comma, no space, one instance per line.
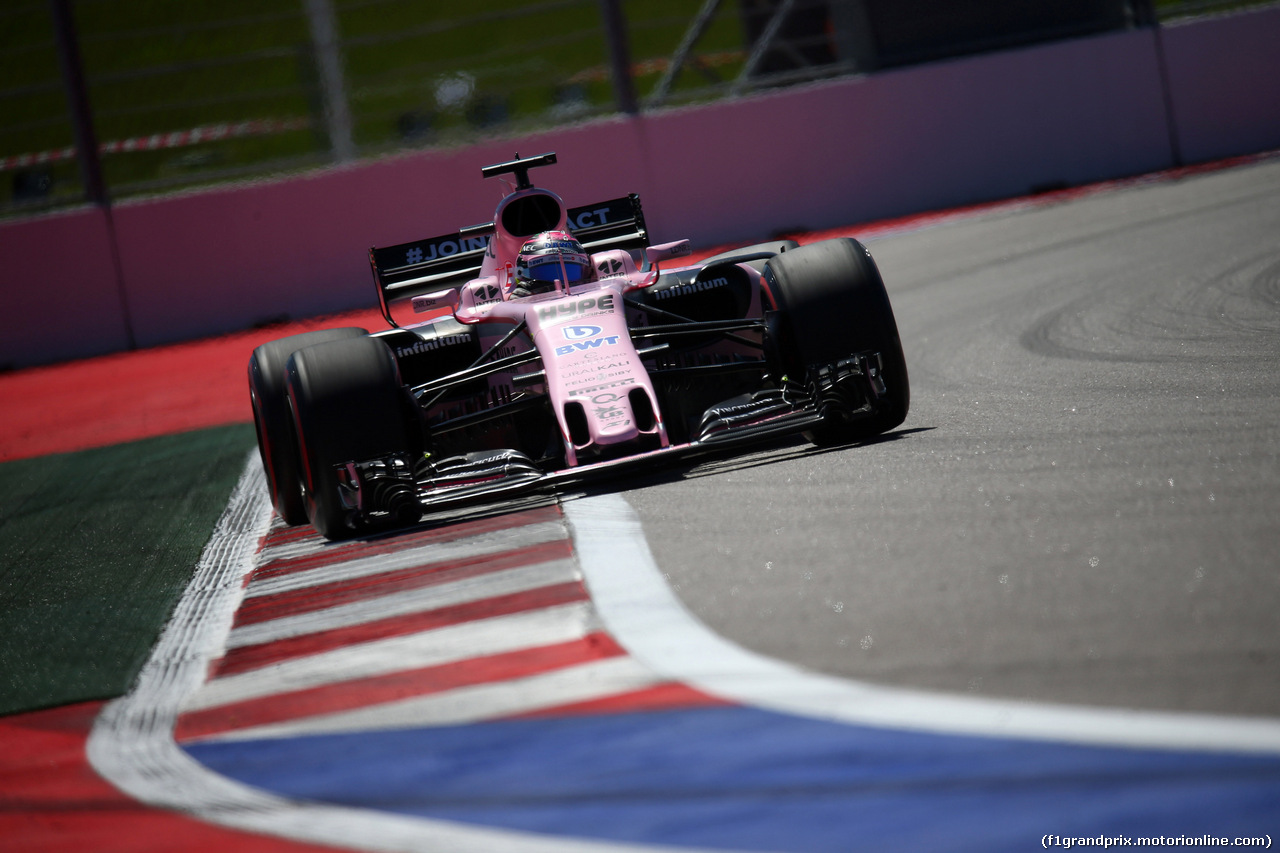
(577,333)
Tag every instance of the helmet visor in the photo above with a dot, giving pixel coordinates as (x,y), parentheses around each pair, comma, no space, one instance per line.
(552,271)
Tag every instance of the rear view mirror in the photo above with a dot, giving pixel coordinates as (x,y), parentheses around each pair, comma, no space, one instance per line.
(432,301)
(666,251)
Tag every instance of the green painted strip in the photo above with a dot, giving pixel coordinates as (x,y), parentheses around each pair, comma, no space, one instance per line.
(95,549)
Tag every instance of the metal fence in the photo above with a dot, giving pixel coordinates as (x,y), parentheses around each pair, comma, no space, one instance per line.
(173,95)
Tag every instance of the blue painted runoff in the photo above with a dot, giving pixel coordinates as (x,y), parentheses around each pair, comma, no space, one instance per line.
(736,778)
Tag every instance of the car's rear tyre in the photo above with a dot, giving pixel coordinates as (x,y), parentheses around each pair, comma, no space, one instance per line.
(832,305)
(348,405)
(273,421)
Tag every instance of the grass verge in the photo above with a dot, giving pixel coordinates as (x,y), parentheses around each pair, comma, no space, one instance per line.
(96,547)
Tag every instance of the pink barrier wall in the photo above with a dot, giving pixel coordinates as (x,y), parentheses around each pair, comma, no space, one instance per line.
(225,259)
(908,140)
(59,297)
(897,142)
(1224,77)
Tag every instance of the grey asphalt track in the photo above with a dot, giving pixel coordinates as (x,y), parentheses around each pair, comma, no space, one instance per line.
(1084,503)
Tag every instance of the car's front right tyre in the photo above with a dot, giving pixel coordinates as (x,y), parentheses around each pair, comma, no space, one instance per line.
(348,405)
(273,422)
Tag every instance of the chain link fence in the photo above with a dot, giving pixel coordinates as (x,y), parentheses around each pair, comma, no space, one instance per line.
(179,95)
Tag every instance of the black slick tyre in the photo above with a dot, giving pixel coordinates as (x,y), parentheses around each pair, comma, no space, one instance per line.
(273,421)
(348,405)
(832,305)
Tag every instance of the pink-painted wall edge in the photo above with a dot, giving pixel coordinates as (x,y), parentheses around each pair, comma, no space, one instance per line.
(844,151)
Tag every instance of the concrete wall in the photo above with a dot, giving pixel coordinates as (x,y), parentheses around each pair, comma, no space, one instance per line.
(896,142)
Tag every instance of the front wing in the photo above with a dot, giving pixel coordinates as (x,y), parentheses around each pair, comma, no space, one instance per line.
(373,488)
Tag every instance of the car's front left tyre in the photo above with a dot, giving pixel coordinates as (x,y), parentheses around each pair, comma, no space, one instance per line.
(832,305)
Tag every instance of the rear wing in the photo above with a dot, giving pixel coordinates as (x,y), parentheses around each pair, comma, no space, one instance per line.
(439,263)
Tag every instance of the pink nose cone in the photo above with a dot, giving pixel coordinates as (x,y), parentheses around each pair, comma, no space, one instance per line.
(612,421)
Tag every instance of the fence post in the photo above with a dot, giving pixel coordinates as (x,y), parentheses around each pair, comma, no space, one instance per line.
(615,25)
(337,114)
(88,155)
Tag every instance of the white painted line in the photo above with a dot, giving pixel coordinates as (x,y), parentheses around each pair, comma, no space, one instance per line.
(132,744)
(442,552)
(477,703)
(642,613)
(436,647)
(421,600)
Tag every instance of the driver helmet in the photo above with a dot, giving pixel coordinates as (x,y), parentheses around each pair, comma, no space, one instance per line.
(549,257)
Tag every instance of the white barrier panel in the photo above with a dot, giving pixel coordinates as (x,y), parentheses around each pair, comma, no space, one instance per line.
(897,142)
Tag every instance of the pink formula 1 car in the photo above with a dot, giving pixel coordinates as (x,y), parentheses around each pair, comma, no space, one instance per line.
(562,344)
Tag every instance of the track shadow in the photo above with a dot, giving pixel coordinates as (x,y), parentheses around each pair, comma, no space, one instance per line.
(729,460)
(710,462)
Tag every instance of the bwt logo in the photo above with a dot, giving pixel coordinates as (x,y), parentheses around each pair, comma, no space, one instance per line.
(577,333)
(583,346)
